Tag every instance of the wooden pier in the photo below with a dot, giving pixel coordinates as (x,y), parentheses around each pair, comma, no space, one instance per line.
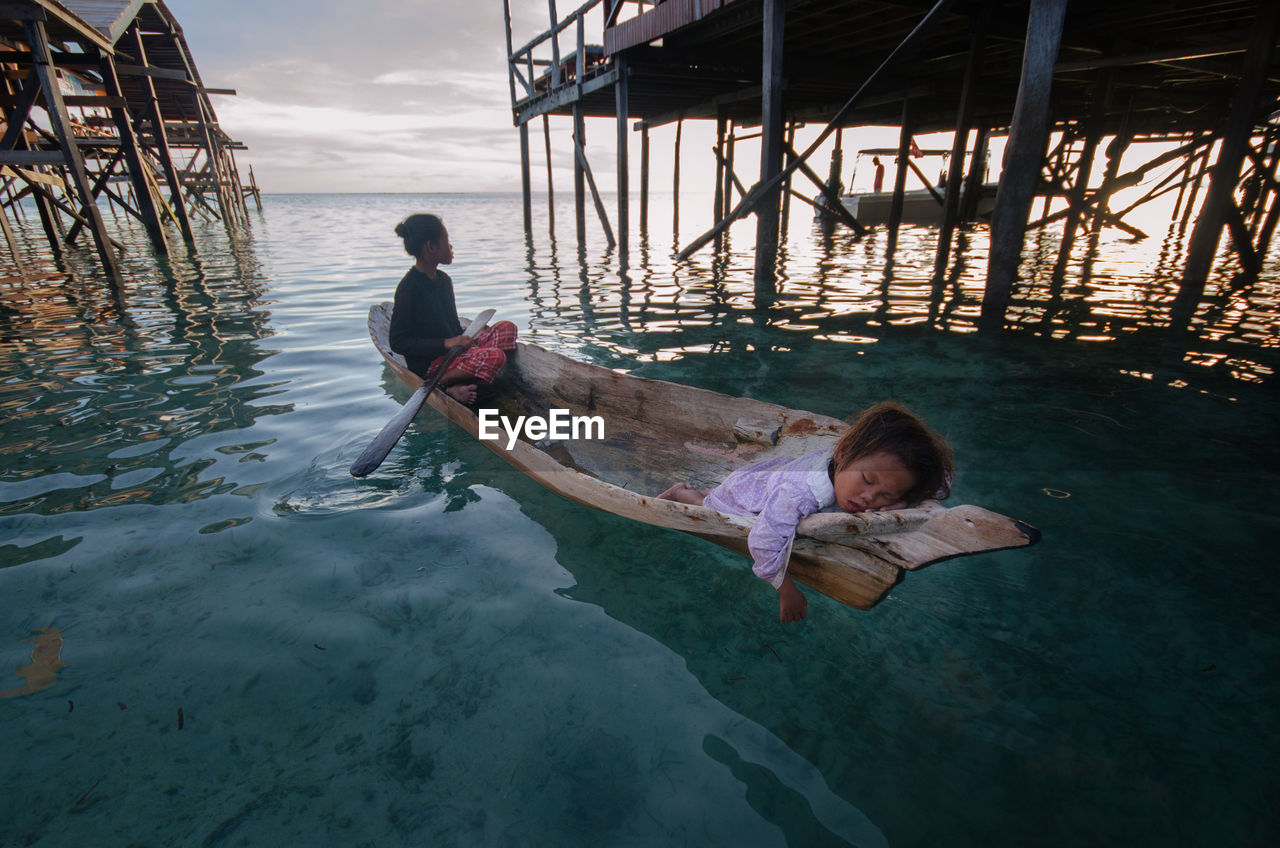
(102,100)
(1095,75)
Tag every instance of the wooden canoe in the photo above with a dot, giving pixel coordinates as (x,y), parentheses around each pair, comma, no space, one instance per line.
(658,433)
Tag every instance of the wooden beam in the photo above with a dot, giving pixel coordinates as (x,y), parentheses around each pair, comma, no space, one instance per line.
(960,137)
(595,196)
(177,204)
(60,123)
(622,108)
(1203,243)
(133,159)
(579,174)
(771,147)
(1024,154)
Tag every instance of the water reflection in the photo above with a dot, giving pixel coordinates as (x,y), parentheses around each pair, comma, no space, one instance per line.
(104,384)
(835,287)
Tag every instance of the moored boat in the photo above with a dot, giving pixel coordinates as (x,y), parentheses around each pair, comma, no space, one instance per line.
(656,433)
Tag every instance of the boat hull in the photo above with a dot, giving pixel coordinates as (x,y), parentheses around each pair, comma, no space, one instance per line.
(657,433)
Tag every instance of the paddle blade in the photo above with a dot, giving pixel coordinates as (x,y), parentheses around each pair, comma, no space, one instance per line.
(391,433)
(478,323)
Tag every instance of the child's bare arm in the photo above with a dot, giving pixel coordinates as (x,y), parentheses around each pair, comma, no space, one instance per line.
(792,603)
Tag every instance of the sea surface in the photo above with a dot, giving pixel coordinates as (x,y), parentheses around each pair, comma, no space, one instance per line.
(212,635)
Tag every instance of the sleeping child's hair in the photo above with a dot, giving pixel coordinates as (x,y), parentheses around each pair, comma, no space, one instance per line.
(890,428)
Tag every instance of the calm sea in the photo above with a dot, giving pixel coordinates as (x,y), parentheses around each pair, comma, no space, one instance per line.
(259,649)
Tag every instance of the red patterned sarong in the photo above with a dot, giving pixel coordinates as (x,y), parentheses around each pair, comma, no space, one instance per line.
(486,356)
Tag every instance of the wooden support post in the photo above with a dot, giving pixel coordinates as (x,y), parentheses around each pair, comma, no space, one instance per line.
(551,190)
(624,188)
(221,175)
(675,182)
(1203,243)
(595,196)
(718,203)
(770,146)
(526,188)
(786,185)
(1201,170)
(960,138)
(133,159)
(60,123)
(900,175)
(644,183)
(161,138)
(1024,155)
(1084,168)
(257,194)
(13,244)
(974,179)
(579,174)
(731,144)
(1115,151)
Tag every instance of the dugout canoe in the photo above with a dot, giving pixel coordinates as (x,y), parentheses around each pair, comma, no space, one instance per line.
(657,433)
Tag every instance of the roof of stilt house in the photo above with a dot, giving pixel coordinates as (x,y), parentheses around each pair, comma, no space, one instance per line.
(109,17)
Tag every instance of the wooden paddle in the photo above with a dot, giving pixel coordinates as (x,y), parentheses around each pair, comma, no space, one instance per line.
(386,440)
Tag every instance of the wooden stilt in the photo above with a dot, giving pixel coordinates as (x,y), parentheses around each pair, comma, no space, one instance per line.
(1203,243)
(731,144)
(551,189)
(1023,156)
(1083,170)
(624,188)
(579,175)
(595,197)
(770,146)
(785,216)
(977,174)
(526,187)
(718,204)
(1115,151)
(13,244)
(60,123)
(644,184)
(960,138)
(133,159)
(675,183)
(161,137)
(900,176)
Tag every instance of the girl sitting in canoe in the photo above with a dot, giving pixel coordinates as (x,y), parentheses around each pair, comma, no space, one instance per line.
(887,460)
(424,323)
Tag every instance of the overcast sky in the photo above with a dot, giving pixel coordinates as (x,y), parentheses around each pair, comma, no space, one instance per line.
(373,95)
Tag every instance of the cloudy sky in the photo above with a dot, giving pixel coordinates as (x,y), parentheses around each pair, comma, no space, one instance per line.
(373,95)
(397,96)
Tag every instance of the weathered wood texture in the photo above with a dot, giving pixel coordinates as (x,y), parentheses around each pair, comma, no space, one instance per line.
(657,433)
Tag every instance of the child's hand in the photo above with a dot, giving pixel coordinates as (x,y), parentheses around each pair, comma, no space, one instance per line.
(791,601)
(890,507)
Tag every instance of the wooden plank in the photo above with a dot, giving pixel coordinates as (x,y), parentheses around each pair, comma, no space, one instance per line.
(35,177)
(30,158)
(154,73)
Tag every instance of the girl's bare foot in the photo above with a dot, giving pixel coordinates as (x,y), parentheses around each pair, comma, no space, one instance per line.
(683,493)
(464,393)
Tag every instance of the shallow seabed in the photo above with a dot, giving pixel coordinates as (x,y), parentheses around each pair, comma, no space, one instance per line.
(260,649)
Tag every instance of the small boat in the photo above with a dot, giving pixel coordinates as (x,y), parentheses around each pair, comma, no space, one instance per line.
(921,205)
(657,433)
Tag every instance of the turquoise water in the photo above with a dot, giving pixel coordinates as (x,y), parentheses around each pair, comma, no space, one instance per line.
(259,647)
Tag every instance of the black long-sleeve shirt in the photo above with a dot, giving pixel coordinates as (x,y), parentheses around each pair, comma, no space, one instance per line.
(424,316)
